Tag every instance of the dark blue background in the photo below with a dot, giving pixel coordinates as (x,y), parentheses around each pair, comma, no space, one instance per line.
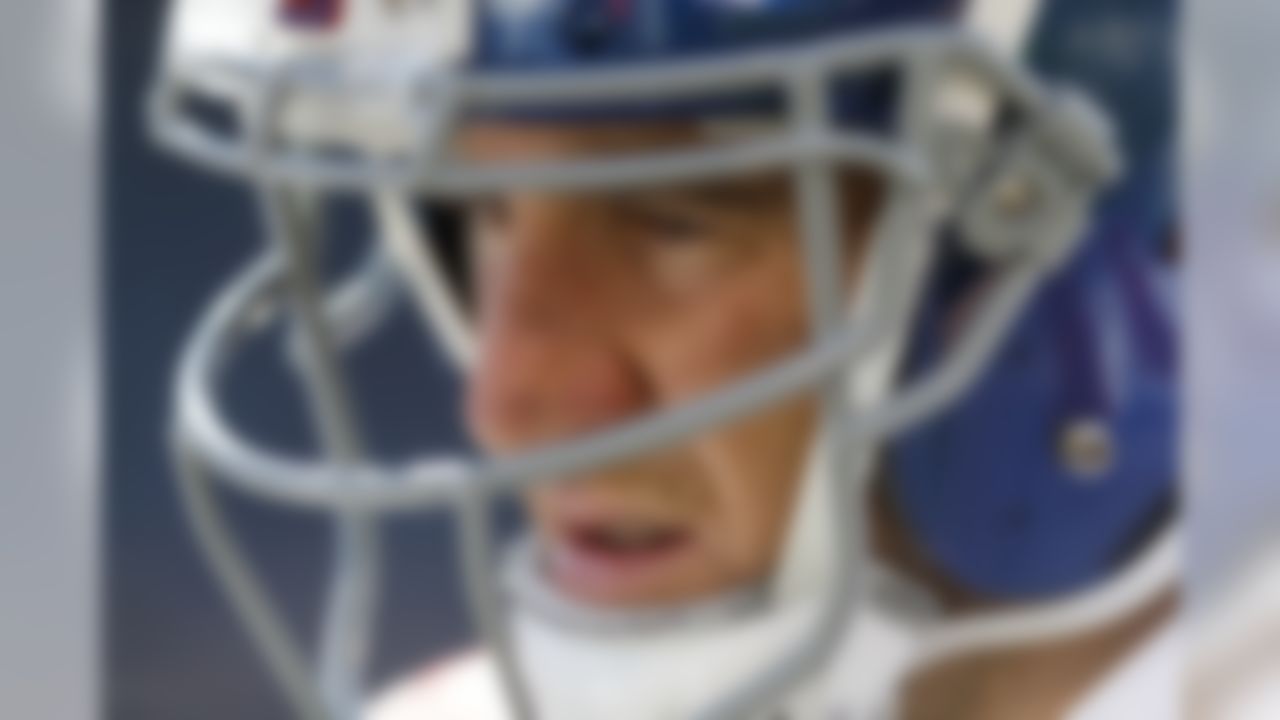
(174,236)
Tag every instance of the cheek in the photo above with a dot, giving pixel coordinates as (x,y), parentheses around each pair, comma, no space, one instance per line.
(727,332)
(756,466)
(753,465)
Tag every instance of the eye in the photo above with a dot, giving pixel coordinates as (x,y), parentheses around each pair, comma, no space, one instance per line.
(671,226)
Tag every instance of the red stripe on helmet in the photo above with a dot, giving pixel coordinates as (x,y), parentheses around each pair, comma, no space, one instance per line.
(313,14)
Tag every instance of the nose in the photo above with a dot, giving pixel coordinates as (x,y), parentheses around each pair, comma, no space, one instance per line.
(550,363)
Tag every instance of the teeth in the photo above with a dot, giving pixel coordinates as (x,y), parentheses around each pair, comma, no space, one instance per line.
(631,535)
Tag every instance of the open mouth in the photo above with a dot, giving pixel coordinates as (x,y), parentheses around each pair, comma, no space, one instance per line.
(618,560)
(626,542)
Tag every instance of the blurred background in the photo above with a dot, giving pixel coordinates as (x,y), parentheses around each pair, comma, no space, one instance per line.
(50,520)
(1231,190)
(110,250)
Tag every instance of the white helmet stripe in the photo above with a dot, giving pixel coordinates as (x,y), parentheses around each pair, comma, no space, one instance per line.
(1007,24)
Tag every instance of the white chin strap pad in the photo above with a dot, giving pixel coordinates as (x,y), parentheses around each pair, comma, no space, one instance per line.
(658,676)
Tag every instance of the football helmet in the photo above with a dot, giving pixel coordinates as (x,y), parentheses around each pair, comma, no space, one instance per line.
(1024,147)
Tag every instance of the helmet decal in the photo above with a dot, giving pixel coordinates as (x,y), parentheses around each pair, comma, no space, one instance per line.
(313,14)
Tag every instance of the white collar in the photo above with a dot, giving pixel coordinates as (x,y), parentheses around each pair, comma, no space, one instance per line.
(1146,682)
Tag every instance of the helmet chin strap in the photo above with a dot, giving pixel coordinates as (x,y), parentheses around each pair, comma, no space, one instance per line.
(666,674)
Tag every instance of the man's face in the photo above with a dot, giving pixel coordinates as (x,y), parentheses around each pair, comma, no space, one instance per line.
(594,308)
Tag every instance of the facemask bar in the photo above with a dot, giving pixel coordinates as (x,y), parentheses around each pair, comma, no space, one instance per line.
(305,484)
(295,225)
(434,100)
(349,619)
(902,248)
(356,489)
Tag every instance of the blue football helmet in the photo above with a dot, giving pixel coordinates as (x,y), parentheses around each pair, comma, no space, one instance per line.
(1026,152)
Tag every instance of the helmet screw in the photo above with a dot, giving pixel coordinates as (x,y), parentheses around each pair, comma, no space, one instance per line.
(1016,196)
(1087,448)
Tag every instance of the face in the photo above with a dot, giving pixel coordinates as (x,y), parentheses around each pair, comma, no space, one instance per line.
(594,308)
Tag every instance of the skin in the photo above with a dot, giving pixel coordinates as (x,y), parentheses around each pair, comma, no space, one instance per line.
(593,308)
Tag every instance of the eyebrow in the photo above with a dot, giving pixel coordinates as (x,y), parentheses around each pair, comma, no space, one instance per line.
(736,195)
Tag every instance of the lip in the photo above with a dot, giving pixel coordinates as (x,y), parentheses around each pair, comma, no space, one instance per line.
(587,566)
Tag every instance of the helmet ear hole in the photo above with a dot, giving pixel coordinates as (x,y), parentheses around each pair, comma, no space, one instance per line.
(444,225)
